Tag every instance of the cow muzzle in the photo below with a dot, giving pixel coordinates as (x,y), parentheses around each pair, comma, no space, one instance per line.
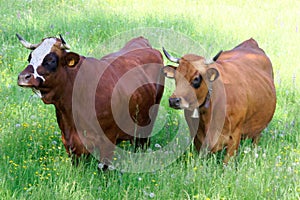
(28,80)
(175,103)
(179,103)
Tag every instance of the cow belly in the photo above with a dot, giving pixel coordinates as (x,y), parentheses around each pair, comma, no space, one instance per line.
(257,122)
(260,111)
(125,116)
(140,104)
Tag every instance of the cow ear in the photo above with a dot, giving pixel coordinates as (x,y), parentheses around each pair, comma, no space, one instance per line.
(212,74)
(72,59)
(169,71)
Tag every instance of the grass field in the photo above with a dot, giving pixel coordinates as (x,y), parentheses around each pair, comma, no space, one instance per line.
(33,161)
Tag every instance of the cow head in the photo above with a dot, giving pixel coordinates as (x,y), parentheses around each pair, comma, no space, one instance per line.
(48,63)
(193,78)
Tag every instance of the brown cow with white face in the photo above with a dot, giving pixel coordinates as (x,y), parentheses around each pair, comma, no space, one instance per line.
(82,88)
(226,99)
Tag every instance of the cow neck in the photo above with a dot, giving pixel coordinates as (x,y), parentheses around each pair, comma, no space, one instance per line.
(64,115)
(63,102)
(64,92)
(206,102)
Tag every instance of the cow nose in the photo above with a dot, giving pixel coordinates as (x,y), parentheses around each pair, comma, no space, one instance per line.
(27,77)
(23,79)
(174,102)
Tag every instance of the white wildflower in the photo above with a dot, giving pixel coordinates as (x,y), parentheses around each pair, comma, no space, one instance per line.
(247,150)
(278,157)
(151,195)
(100,165)
(111,167)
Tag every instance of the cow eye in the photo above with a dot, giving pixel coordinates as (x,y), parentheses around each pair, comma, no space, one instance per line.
(50,62)
(197,82)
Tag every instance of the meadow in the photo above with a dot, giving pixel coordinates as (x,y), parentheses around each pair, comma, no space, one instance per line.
(33,161)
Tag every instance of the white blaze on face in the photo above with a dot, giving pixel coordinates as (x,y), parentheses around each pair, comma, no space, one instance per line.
(38,55)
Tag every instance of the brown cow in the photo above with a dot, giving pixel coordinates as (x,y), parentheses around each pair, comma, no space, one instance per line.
(227,99)
(82,88)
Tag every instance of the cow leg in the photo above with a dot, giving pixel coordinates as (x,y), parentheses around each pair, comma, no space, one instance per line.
(255,139)
(196,128)
(199,139)
(106,153)
(197,143)
(233,145)
(141,143)
(74,159)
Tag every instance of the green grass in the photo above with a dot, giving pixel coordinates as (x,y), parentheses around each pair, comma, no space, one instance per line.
(33,162)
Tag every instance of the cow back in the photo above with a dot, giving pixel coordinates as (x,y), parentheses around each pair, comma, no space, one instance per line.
(247,75)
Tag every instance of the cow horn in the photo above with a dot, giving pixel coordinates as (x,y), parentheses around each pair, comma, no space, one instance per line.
(26,44)
(215,58)
(64,45)
(171,58)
